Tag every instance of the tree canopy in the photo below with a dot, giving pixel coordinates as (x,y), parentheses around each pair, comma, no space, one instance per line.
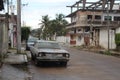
(25,31)
(53,27)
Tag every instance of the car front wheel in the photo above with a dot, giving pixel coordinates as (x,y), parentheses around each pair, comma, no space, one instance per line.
(36,62)
(64,64)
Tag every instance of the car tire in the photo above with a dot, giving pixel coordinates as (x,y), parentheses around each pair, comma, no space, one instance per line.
(36,62)
(64,64)
(32,57)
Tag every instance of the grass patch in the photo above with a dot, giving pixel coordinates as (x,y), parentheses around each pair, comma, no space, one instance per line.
(107,53)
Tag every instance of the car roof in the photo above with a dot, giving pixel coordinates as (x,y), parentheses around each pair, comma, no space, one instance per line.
(46,41)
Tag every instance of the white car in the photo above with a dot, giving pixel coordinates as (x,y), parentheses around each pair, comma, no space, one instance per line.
(49,51)
(30,42)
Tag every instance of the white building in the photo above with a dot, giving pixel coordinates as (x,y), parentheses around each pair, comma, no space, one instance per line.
(90,24)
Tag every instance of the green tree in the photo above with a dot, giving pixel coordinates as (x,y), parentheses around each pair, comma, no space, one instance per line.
(61,24)
(53,27)
(45,26)
(25,32)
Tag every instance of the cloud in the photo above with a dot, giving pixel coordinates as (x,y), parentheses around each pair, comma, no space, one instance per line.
(48,1)
(33,13)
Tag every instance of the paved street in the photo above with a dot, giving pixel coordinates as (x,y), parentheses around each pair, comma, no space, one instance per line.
(82,66)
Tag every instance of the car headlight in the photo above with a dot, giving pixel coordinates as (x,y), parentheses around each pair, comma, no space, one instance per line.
(41,54)
(66,55)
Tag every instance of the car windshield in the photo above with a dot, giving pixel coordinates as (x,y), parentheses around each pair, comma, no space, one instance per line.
(31,41)
(48,45)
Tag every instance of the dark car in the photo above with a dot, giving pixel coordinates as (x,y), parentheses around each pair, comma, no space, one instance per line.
(49,51)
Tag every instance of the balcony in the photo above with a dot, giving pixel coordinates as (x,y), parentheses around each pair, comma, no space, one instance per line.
(104,23)
(95,23)
(71,32)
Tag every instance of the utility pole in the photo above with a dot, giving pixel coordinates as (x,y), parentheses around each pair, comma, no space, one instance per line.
(18,26)
(8,6)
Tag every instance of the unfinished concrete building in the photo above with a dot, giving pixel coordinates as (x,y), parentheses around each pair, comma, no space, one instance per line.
(94,23)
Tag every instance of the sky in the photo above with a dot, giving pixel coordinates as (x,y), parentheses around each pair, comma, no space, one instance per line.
(33,12)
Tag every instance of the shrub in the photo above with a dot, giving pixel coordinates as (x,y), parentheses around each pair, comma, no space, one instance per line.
(117,41)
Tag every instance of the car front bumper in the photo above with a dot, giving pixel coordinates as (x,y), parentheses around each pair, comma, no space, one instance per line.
(52,59)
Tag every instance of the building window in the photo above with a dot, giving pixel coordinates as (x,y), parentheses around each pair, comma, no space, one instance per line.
(79,30)
(87,29)
(74,18)
(108,18)
(73,30)
(97,17)
(116,18)
(89,17)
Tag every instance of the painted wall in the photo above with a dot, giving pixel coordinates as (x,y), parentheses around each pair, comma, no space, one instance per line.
(79,40)
(63,39)
(118,30)
(104,39)
(11,34)
(3,38)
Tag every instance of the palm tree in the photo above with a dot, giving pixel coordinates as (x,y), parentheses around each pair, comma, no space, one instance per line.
(45,25)
(53,27)
(61,23)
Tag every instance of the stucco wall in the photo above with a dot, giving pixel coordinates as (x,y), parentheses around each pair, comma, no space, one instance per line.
(104,39)
(3,38)
(63,39)
(118,30)
(110,14)
(79,40)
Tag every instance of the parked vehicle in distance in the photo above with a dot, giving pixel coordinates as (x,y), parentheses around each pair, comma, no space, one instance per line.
(30,42)
(49,51)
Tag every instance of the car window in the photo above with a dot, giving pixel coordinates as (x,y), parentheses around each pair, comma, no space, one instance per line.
(48,45)
(36,45)
(32,41)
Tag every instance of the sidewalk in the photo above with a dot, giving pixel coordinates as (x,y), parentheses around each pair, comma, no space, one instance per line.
(100,51)
(13,72)
(14,68)
(14,58)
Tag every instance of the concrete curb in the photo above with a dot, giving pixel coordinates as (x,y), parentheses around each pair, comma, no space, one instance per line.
(16,59)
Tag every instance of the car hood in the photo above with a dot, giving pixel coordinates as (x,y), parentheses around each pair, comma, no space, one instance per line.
(53,50)
(30,43)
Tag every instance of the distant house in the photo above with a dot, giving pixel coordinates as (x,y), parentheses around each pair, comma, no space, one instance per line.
(94,23)
(13,30)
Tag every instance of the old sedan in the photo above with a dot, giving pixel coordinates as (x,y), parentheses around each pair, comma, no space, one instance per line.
(49,51)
